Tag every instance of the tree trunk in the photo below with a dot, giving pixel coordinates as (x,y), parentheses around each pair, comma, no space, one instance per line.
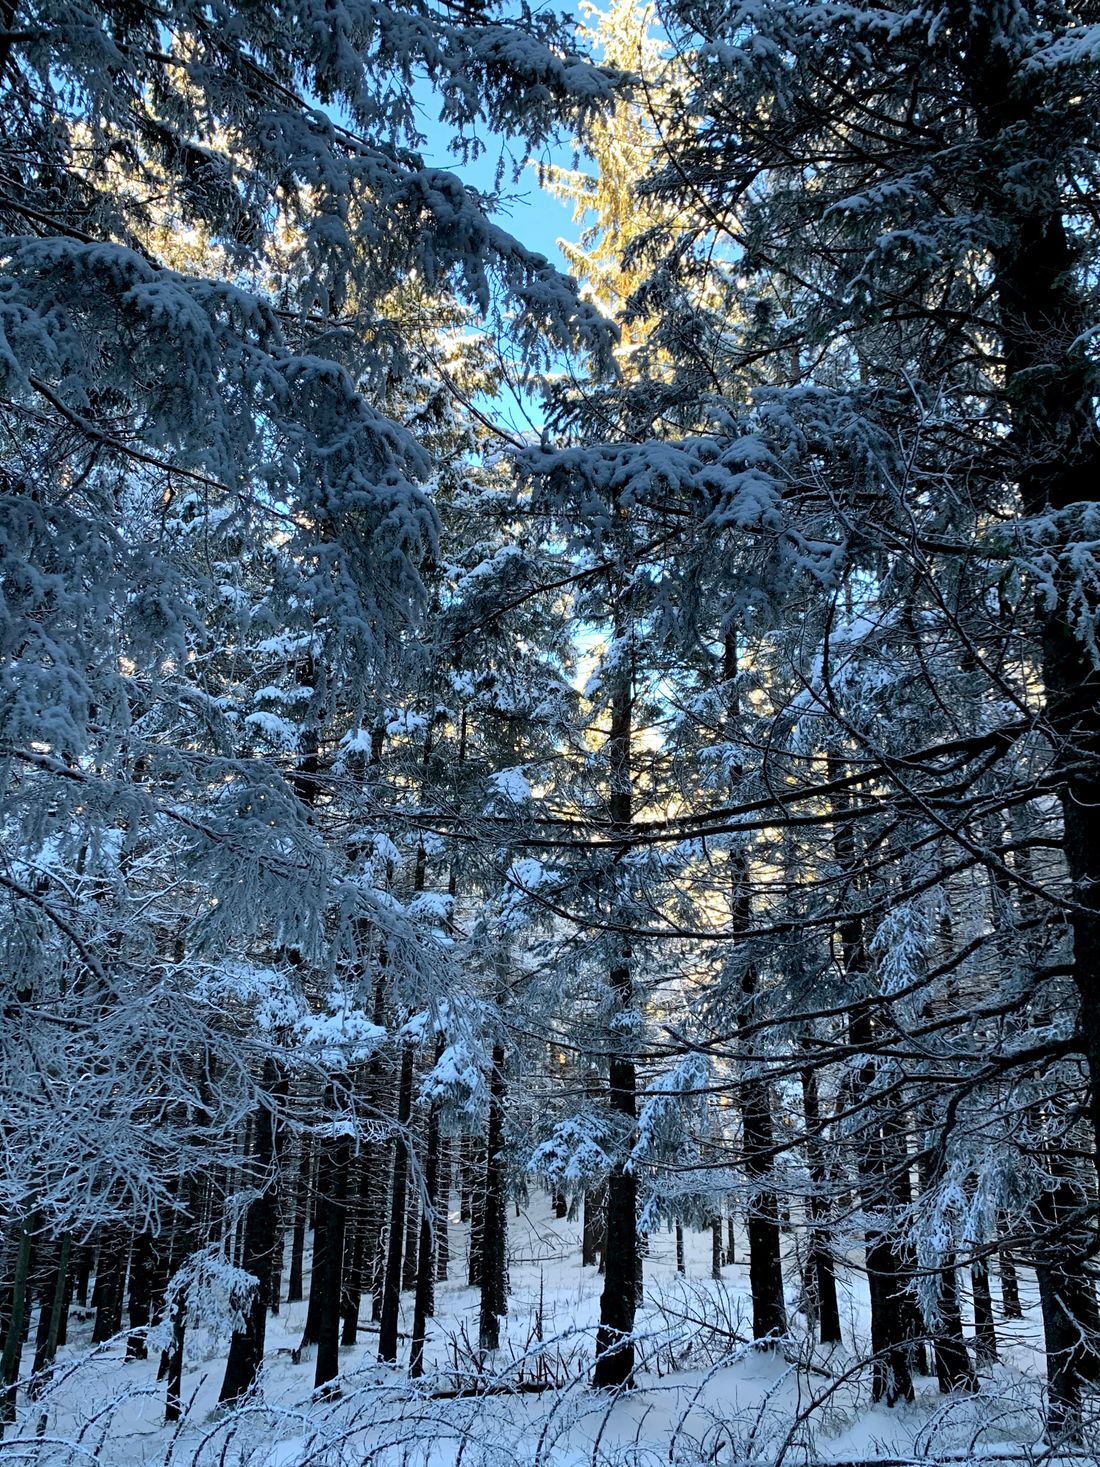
(476,1196)
(82,1274)
(261,1223)
(65,1306)
(141,1296)
(17,1319)
(375,1169)
(826,1307)
(467,1172)
(985,1332)
(424,1306)
(442,1220)
(1049,386)
(295,1283)
(410,1254)
(173,1397)
(391,1288)
(953,1368)
(769,1318)
(680,1266)
(1010,1286)
(494,1280)
(1068,1313)
(109,1285)
(53,1305)
(594,1225)
(618,1301)
(351,1295)
(333,1160)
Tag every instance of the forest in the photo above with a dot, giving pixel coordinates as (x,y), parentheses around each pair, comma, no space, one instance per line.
(549,791)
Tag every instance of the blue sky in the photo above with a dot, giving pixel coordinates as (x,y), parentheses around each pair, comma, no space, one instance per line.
(535,216)
(532,214)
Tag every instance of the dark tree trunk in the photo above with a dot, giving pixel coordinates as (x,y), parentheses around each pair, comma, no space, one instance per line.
(82,1274)
(594,1225)
(494,1279)
(561,1203)
(1049,387)
(467,1178)
(283,1196)
(823,1283)
(173,1397)
(391,1288)
(885,1187)
(477,1224)
(66,1305)
(880,1162)
(351,1295)
(140,1296)
(442,1220)
(953,1368)
(109,1284)
(295,1283)
(680,1265)
(716,1247)
(412,1234)
(426,1267)
(985,1332)
(54,1295)
(1068,1305)
(278,1258)
(374,1171)
(1010,1287)
(614,1348)
(618,1301)
(261,1225)
(769,1317)
(17,1318)
(333,1160)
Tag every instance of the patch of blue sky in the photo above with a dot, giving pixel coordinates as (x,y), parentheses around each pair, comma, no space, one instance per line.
(499,168)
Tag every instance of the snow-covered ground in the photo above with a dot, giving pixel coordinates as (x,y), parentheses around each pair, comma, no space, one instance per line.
(702,1395)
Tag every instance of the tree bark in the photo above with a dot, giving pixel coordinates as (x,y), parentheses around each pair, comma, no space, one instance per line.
(769,1317)
(355,1244)
(334,1157)
(953,1368)
(17,1318)
(1010,1286)
(391,1288)
(476,1209)
(985,1331)
(261,1223)
(826,1306)
(424,1305)
(442,1221)
(618,1301)
(109,1285)
(494,1279)
(1049,388)
(295,1283)
(410,1253)
(140,1301)
(878,1162)
(594,1224)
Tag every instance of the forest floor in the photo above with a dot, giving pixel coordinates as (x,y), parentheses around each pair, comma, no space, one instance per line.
(702,1395)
